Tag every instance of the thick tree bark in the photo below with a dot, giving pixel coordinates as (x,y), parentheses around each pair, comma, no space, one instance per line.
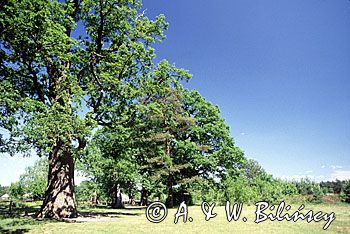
(113,195)
(118,199)
(170,199)
(144,197)
(59,199)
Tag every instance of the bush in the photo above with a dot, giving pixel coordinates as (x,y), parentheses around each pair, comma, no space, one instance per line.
(345,193)
(262,187)
(238,190)
(16,190)
(207,191)
(317,194)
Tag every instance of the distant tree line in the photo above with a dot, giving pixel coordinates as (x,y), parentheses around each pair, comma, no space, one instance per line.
(333,186)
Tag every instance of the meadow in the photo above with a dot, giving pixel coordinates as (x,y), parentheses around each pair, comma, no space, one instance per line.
(133,220)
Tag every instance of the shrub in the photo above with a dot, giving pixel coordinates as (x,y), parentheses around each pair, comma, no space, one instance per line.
(345,193)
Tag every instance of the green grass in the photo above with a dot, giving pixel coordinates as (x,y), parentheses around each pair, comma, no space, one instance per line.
(102,220)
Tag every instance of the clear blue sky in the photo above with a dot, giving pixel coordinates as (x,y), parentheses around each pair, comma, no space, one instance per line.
(279,70)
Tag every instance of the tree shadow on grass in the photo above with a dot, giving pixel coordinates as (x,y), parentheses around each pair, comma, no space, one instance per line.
(136,207)
(20,220)
(20,224)
(115,213)
(17,231)
(106,214)
(18,212)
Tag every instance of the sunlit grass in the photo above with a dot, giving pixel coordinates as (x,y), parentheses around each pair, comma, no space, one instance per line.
(102,220)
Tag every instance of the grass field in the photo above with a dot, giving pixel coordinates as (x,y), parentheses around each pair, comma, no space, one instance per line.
(102,220)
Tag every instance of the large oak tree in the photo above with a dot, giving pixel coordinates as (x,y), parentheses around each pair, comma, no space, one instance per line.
(64,68)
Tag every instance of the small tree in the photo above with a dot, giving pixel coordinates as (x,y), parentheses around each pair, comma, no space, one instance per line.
(317,193)
(34,179)
(16,190)
(345,194)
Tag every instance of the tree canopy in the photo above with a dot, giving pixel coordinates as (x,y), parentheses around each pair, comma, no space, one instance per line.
(175,138)
(78,83)
(66,68)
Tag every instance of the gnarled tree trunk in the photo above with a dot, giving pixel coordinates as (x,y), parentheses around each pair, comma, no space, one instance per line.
(59,199)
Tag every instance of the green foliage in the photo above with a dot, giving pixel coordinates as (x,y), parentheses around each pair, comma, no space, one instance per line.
(289,189)
(333,186)
(85,190)
(46,72)
(32,182)
(92,92)
(16,190)
(317,194)
(253,184)
(310,188)
(249,185)
(3,190)
(110,161)
(252,169)
(166,136)
(345,194)
(208,191)
(239,190)
(60,82)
